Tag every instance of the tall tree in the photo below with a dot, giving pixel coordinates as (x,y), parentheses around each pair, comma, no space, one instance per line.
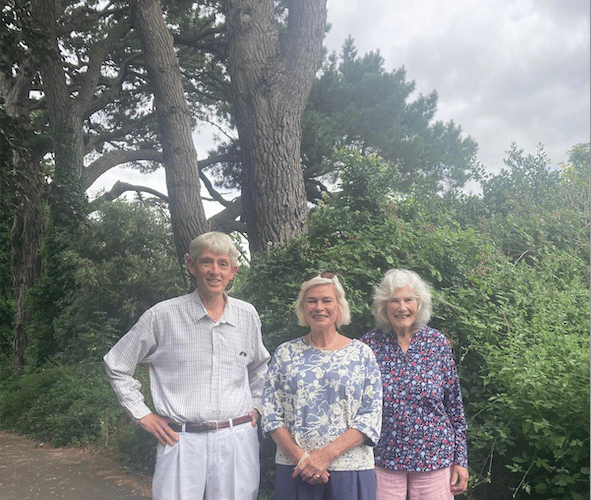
(24,197)
(174,122)
(66,112)
(32,61)
(356,103)
(271,75)
(22,149)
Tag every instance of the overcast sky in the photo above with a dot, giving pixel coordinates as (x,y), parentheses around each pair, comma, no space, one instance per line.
(505,70)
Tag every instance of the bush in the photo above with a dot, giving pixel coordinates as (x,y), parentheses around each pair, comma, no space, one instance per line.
(511,291)
(525,329)
(74,405)
(121,263)
(61,404)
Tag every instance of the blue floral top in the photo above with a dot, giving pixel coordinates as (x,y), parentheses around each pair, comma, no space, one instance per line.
(317,395)
(423,427)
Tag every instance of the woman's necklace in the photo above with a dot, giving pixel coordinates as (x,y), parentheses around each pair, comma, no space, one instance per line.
(328,347)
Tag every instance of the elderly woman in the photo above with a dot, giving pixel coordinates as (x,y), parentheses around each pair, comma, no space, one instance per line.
(422,448)
(322,403)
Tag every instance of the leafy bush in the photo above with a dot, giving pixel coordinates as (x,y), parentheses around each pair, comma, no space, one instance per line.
(75,405)
(122,263)
(6,291)
(511,292)
(61,404)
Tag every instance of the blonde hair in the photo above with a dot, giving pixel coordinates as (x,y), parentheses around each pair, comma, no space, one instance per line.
(344,317)
(394,280)
(216,242)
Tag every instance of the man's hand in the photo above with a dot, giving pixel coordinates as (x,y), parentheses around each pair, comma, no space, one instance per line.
(158,427)
(254,417)
(459,479)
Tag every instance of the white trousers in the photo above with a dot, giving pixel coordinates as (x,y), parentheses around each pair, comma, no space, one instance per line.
(215,465)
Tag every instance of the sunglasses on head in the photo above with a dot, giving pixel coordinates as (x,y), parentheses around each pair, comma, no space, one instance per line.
(326,274)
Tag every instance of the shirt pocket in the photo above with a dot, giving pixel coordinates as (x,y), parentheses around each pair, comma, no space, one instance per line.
(236,355)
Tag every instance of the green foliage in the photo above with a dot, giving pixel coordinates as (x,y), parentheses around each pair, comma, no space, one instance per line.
(511,283)
(74,405)
(366,183)
(60,404)
(526,176)
(524,318)
(526,332)
(121,263)
(511,290)
(356,103)
(6,292)
(53,293)
(13,144)
(125,440)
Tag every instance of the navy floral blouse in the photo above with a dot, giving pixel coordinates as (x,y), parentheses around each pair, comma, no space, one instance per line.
(423,424)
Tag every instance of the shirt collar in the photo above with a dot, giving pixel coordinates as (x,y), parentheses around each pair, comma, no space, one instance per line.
(199,311)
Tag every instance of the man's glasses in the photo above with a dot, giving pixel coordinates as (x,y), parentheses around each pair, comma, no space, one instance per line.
(326,274)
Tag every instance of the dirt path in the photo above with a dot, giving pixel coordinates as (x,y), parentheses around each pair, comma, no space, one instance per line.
(32,471)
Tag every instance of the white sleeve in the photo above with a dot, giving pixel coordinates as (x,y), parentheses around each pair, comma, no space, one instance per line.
(122,360)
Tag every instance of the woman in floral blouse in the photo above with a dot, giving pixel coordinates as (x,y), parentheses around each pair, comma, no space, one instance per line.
(422,448)
(322,403)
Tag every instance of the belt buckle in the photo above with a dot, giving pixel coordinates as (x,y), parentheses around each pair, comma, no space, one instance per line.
(213,426)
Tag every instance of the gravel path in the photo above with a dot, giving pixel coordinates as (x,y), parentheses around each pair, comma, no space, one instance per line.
(30,470)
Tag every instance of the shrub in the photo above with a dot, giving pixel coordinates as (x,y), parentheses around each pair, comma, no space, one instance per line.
(512,293)
(121,264)
(60,404)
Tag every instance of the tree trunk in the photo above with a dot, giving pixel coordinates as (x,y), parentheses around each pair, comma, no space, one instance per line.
(174,123)
(27,204)
(271,80)
(27,235)
(27,227)
(65,117)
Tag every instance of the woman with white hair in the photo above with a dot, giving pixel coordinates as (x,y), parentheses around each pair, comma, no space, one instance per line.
(322,403)
(422,449)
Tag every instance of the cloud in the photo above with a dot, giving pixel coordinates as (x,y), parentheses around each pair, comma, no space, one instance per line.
(506,71)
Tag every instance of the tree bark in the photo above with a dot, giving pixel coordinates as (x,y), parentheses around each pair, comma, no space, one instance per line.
(26,262)
(66,115)
(271,80)
(28,221)
(26,238)
(174,123)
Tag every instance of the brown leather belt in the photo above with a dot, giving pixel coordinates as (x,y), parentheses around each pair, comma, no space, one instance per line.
(209,426)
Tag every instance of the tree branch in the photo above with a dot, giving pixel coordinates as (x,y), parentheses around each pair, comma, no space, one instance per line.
(92,142)
(117,157)
(96,58)
(225,220)
(114,87)
(122,187)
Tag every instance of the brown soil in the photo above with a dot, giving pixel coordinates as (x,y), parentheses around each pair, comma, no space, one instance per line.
(31,470)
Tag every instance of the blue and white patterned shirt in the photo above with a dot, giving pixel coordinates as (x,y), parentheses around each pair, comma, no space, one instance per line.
(317,395)
(201,370)
(423,427)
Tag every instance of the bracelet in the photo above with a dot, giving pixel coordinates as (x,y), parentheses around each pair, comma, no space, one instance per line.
(304,456)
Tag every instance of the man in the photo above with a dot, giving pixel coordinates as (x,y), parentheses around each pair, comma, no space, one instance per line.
(207,365)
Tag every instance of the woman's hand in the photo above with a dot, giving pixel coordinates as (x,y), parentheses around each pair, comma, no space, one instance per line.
(313,469)
(308,470)
(459,479)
